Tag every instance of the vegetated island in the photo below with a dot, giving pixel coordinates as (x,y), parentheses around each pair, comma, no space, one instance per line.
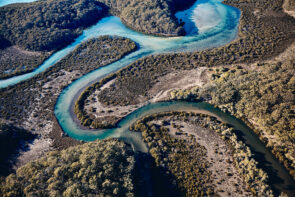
(31,32)
(263,95)
(200,156)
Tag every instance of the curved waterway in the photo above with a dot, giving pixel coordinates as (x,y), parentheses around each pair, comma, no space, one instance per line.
(280,179)
(219,33)
(209,24)
(202,33)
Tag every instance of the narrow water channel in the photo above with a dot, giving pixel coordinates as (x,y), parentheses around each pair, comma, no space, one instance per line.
(216,35)
(203,33)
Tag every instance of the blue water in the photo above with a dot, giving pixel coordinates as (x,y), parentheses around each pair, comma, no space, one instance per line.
(220,34)
(7,2)
(208,24)
(202,33)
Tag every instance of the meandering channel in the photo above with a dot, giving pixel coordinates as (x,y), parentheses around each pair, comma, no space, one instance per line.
(213,34)
(203,32)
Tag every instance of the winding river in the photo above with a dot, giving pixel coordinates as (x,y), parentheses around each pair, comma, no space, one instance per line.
(209,23)
(218,31)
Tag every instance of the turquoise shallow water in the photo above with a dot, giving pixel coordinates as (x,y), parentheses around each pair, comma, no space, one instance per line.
(221,33)
(7,2)
(209,24)
(201,34)
(217,32)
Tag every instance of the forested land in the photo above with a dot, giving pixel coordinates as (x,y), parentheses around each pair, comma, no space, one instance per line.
(102,168)
(47,25)
(52,24)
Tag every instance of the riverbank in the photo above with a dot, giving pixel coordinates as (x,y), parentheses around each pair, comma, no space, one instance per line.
(199,138)
(180,61)
(133,84)
(30,105)
(102,115)
(16,61)
(243,50)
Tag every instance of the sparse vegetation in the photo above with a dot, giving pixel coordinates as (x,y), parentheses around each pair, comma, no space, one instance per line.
(33,98)
(290,5)
(262,98)
(58,22)
(258,40)
(85,58)
(184,163)
(269,104)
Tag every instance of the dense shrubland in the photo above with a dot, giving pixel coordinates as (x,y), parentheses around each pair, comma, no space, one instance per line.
(18,101)
(184,163)
(33,100)
(102,168)
(52,24)
(151,17)
(191,173)
(47,25)
(263,97)
(11,140)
